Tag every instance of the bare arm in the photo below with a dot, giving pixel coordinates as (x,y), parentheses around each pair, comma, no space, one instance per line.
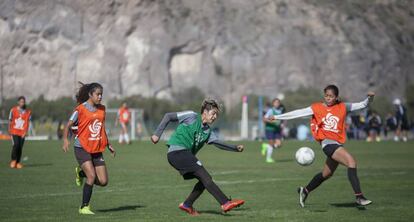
(66,142)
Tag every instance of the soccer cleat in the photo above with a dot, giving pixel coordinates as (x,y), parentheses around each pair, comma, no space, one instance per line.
(19,165)
(302,196)
(78,179)
(362,201)
(231,204)
(264,148)
(13,164)
(189,210)
(270,160)
(85,210)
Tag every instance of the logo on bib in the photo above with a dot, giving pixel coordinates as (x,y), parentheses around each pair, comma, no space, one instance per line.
(19,123)
(330,123)
(95,129)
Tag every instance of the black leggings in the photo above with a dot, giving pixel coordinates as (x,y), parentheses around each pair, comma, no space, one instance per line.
(205,182)
(18,142)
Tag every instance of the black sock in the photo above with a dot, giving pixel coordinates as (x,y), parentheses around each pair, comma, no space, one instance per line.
(195,194)
(314,183)
(353,179)
(82,174)
(87,194)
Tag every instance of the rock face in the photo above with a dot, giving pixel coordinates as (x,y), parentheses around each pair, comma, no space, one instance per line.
(225,47)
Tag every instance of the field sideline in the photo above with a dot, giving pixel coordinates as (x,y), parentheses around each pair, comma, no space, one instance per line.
(143,187)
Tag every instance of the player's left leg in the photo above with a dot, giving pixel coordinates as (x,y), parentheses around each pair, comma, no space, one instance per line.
(345,158)
(269,152)
(19,153)
(100,170)
(226,204)
(187,205)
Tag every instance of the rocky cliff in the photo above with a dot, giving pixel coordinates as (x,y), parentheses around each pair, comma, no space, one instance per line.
(225,47)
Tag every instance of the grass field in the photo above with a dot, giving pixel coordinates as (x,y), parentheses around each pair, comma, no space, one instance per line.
(143,187)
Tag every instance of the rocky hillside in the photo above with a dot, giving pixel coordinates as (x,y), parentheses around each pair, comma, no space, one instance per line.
(226,47)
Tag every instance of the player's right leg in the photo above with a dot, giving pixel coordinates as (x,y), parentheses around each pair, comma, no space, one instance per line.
(89,170)
(14,153)
(328,170)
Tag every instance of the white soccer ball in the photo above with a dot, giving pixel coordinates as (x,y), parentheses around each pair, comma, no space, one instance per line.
(305,156)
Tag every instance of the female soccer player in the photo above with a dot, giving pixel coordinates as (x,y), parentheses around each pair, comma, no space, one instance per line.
(191,134)
(273,129)
(90,141)
(123,117)
(19,120)
(328,128)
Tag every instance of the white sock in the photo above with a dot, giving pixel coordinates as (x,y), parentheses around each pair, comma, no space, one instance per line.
(121,138)
(269,152)
(126,137)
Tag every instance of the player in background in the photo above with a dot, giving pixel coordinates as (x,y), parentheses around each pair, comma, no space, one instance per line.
(403,125)
(123,117)
(189,137)
(19,120)
(90,141)
(328,128)
(273,129)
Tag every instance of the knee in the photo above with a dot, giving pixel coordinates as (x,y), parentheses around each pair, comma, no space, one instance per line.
(103,183)
(351,163)
(327,175)
(207,182)
(90,179)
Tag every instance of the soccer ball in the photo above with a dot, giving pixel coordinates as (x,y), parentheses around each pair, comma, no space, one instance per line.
(305,156)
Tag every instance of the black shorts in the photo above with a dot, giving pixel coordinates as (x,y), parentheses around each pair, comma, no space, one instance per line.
(83,156)
(185,162)
(330,149)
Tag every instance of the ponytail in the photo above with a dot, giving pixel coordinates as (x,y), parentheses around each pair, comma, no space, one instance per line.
(85,90)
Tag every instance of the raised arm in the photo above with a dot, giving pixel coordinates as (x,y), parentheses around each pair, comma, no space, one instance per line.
(168,117)
(350,107)
(182,117)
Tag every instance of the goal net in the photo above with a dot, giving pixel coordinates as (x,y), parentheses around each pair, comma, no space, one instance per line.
(136,127)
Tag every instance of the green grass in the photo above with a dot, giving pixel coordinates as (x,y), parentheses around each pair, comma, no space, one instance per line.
(143,187)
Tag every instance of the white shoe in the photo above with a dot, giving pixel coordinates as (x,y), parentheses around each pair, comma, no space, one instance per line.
(396,139)
(405,139)
(362,201)
(302,196)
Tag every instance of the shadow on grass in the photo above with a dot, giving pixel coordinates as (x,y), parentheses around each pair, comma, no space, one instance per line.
(348,205)
(122,208)
(228,214)
(284,160)
(38,165)
(214,212)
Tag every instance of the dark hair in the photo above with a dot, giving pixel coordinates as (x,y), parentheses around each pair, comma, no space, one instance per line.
(335,91)
(23,98)
(333,88)
(85,90)
(209,104)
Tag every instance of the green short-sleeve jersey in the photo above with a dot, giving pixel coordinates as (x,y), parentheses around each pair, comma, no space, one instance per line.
(191,135)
